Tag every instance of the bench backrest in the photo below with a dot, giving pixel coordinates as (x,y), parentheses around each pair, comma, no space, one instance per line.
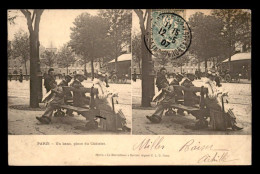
(202,90)
(192,88)
(93,93)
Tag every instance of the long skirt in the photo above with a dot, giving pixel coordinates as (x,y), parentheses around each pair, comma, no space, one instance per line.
(112,120)
(220,119)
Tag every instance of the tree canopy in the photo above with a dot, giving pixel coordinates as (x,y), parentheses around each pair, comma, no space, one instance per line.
(236,29)
(89,37)
(207,41)
(49,58)
(65,57)
(21,48)
(119,31)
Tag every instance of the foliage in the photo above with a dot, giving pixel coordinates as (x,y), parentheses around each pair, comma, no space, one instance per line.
(49,58)
(88,37)
(120,25)
(207,41)
(119,32)
(9,49)
(21,47)
(65,57)
(136,47)
(179,62)
(236,28)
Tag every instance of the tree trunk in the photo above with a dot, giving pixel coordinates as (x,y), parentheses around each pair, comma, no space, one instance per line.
(229,63)
(145,79)
(139,65)
(67,70)
(147,82)
(85,67)
(33,71)
(25,67)
(92,70)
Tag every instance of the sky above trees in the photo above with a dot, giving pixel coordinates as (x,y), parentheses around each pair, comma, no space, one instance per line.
(54,26)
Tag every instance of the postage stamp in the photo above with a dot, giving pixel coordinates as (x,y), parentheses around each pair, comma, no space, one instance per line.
(170,34)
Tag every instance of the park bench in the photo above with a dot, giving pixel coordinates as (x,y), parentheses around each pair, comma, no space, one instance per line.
(83,110)
(196,107)
(108,122)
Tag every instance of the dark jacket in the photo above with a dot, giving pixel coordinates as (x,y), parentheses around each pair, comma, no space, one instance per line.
(67,94)
(190,98)
(79,98)
(48,81)
(161,81)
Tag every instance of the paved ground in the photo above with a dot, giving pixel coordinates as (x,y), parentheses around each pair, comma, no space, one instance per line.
(23,122)
(239,99)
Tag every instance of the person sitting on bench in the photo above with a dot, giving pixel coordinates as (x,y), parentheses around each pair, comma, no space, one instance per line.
(179,95)
(104,101)
(214,102)
(161,78)
(190,98)
(165,101)
(56,100)
(79,98)
(67,95)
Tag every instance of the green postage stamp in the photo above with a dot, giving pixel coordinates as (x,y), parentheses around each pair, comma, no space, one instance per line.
(171,35)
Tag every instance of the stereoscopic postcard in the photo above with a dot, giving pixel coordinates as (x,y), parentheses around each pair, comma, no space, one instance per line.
(129,87)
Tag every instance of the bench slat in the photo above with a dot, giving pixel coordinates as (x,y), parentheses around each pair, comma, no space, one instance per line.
(192,88)
(74,108)
(187,108)
(81,89)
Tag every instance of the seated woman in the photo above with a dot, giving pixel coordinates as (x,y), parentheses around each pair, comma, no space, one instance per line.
(214,102)
(104,101)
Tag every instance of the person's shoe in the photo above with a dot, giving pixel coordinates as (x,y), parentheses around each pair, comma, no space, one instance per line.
(235,127)
(154,119)
(44,119)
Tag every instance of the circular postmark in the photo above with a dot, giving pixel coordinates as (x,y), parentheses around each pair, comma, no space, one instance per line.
(170,35)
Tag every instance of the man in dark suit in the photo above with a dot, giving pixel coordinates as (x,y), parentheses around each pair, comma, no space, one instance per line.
(79,98)
(49,80)
(161,79)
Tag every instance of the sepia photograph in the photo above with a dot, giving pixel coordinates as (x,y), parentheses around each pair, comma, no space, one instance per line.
(69,72)
(120,87)
(192,74)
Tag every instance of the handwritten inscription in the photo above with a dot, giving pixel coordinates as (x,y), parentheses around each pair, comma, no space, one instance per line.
(191,145)
(216,157)
(150,144)
(212,155)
